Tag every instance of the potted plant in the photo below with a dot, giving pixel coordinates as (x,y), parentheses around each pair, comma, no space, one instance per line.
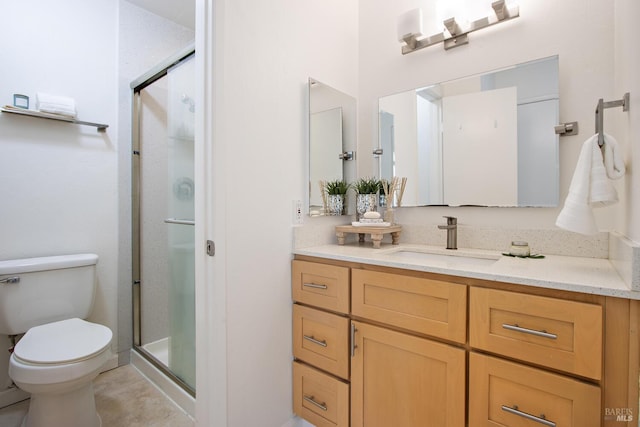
(336,196)
(366,195)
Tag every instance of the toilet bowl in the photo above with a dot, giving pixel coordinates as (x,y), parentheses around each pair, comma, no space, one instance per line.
(59,354)
(57,363)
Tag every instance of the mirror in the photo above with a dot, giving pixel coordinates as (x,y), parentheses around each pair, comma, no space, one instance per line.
(484,140)
(332,139)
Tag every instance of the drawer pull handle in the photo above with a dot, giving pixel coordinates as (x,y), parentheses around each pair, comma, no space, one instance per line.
(353,340)
(541,419)
(313,285)
(517,328)
(322,343)
(13,279)
(322,405)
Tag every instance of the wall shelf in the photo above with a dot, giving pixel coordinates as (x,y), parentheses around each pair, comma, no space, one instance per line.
(32,113)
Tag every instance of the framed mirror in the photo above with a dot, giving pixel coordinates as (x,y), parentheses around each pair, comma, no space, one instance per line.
(484,140)
(332,139)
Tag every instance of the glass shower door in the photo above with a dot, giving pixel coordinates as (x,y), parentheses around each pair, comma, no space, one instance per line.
(165,174)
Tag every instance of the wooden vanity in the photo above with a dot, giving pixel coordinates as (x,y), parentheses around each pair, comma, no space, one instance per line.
(377,346)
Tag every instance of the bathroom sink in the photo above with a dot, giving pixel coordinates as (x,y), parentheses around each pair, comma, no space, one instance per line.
(450,257)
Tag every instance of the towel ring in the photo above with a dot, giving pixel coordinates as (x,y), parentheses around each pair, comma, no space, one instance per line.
(602,105)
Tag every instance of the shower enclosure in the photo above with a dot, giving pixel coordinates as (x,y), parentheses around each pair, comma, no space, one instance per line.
(163,218)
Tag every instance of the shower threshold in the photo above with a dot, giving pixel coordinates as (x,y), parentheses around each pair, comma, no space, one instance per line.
(164,381)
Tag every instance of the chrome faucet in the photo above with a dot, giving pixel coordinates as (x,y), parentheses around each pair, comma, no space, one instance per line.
(452,231)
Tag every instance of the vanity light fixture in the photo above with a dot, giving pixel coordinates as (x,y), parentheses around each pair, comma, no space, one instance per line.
(410,27)
(457,33)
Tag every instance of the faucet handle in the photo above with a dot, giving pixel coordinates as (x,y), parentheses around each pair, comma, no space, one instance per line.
(451,220)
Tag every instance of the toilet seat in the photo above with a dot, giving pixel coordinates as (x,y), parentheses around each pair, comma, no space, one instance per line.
(59,352)
(62,342)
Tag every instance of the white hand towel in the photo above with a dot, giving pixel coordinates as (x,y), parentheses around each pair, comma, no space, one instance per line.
(56,104)
(590,187)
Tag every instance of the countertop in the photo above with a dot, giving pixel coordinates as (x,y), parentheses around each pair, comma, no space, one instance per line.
(587,275)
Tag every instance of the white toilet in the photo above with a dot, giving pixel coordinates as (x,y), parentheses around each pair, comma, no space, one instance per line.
(60,354)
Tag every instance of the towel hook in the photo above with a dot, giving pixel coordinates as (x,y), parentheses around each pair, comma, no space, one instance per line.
(602,105)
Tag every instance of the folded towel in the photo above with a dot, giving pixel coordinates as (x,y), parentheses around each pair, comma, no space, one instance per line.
(366,224)
(590,186)
(371,220)
(56,104)
(613,162)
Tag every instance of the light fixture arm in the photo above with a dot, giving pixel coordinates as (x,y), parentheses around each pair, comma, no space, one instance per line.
(501,10)
(458,33)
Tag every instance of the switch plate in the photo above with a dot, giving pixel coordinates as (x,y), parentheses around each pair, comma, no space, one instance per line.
(297,212)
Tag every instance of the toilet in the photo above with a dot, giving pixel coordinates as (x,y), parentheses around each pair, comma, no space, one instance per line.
(60,354)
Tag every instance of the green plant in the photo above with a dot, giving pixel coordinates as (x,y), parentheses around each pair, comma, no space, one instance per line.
(337,186)
(367,186)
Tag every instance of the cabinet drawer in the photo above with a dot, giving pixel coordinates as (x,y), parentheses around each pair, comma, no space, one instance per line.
(425,306)
(565,335)
(321,339)
(320,398)
(321,285)
(503,393)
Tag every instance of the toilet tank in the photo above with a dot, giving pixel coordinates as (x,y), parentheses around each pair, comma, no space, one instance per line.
(35,291)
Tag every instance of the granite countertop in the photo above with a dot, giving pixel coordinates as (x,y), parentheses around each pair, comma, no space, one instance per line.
(587,275)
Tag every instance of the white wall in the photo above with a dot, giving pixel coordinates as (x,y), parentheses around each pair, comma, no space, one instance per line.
(266,52)
(59,190)
(627,70)
(584,43)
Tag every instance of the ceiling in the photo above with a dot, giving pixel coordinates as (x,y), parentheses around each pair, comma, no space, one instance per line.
(179,11)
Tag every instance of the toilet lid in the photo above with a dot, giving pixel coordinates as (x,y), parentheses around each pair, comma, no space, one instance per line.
(63,341)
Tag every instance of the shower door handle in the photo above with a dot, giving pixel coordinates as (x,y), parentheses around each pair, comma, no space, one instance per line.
(179,221)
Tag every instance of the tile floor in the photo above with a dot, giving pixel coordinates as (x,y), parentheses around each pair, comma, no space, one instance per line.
(124,398)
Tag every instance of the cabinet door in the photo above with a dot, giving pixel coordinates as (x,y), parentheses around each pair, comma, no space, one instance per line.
(321,339)
(402,380)
(320,285)
(560,334)
(426,306)
(503,393)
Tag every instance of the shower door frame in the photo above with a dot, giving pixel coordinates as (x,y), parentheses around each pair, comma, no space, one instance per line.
(154,74)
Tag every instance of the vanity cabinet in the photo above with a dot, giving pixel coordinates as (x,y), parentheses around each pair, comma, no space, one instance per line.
(380,346)
(381,352)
